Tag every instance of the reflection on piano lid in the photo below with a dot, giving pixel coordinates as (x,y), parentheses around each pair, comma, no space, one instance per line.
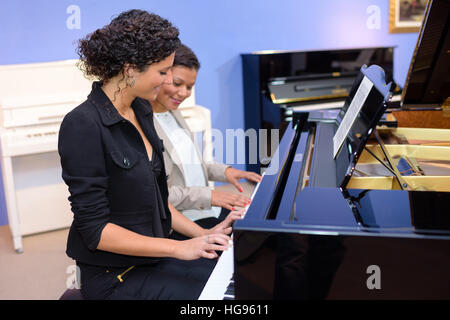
(371,223)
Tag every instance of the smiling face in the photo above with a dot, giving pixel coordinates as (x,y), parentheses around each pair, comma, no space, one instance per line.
(173,94)
(148,83)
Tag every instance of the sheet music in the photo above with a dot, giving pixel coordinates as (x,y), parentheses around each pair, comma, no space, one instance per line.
(351,114)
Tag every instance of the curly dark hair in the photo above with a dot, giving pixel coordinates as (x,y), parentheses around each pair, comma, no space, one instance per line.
(184,56)
(136,37)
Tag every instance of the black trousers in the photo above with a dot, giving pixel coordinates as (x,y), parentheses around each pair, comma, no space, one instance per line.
(169,279)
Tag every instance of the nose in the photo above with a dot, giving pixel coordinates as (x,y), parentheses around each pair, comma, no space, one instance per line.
(184,93)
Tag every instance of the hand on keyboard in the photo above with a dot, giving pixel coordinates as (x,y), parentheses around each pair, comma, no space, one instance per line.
(225,226)
(202,247)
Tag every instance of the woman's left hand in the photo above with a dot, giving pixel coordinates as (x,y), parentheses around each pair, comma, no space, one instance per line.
(234,175)
(225,226)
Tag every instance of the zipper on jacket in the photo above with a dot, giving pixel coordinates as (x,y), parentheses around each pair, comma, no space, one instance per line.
(123,273)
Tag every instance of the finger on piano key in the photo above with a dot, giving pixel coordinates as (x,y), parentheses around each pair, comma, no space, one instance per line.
(220,285)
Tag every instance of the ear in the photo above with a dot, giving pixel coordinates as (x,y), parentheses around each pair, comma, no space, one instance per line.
(129,70)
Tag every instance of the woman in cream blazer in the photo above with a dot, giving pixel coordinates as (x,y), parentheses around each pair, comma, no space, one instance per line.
(196,200)
(181,196)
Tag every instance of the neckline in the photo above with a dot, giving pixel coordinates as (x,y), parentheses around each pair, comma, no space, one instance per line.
(165,113)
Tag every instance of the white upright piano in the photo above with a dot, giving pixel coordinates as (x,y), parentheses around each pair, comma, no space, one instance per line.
(34,98)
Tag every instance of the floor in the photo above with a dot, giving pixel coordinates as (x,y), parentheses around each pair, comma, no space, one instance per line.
(40,272)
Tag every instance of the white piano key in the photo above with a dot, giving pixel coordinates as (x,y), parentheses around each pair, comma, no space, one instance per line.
(221,276)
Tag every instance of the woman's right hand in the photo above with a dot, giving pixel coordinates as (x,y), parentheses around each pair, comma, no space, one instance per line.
(202,247)
(228,200)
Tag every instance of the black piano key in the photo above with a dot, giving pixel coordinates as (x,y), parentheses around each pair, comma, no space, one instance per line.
(229,292)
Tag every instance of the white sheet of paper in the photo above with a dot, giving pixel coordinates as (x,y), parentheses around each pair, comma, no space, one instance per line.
(351,114)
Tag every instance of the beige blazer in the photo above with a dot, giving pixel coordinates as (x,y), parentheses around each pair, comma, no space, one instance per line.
(180,196)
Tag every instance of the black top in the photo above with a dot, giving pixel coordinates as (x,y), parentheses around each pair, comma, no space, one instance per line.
(110,177)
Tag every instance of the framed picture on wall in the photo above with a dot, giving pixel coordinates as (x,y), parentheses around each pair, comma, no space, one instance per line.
(406,15)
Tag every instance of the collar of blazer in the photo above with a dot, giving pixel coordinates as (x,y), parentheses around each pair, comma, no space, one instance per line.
(108,113)
(110,116)
(169,148)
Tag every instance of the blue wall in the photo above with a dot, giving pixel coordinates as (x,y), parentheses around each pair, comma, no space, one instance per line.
(218,31)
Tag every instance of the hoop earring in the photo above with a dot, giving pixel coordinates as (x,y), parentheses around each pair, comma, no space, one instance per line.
(130,83)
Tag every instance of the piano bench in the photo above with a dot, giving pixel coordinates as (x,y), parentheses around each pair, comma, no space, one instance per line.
(72,294)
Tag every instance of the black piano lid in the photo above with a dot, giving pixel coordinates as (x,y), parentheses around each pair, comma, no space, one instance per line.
(427,84)
(365,122)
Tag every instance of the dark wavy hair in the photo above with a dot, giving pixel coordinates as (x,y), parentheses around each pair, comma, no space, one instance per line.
(136,37)
(184,56)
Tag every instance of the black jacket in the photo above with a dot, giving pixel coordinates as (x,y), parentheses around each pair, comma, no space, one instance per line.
(110,178)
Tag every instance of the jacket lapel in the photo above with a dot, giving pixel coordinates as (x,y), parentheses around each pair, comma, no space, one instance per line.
(144,115)
(169,148)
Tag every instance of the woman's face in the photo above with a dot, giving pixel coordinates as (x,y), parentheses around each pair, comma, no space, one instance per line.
(174,93)
(149,82)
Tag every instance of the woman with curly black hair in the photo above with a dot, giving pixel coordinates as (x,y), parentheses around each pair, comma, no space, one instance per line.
(112,162)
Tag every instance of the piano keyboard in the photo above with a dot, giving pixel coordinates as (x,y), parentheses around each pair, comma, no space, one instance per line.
(220,278)
(220,285)
(29,140)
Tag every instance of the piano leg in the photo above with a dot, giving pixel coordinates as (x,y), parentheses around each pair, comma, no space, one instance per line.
(11,205)
(18,247)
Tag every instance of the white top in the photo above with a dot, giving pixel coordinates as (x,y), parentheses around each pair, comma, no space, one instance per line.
(190,161)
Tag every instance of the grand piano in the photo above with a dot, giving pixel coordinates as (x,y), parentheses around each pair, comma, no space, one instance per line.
(358,210)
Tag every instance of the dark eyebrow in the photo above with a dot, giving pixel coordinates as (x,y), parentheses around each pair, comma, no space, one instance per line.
(183,82)
(178,79)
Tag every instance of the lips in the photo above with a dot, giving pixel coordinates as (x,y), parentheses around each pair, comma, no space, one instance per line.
(175,101)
